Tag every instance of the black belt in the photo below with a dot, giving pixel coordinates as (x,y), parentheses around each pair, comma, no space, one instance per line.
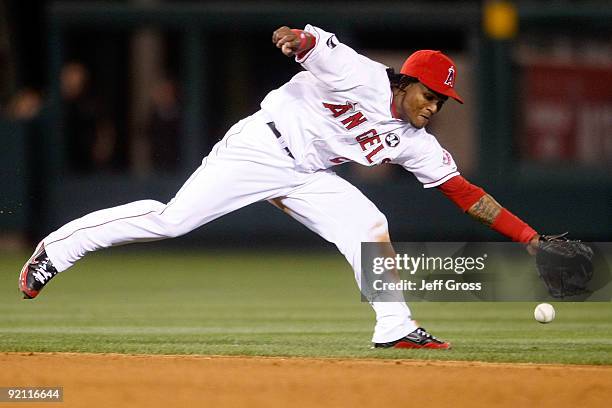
(278,135)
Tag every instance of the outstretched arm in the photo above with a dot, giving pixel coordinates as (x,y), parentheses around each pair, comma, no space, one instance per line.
(335,64)
(480,205)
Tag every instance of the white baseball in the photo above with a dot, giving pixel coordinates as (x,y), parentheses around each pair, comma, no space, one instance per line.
(544,313)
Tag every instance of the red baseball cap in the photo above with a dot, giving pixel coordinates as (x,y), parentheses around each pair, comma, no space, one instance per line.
(435,70)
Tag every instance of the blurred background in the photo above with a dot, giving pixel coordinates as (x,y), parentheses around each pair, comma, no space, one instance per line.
(107,102)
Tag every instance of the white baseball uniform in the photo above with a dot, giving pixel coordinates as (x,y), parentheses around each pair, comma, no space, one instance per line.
(337,110)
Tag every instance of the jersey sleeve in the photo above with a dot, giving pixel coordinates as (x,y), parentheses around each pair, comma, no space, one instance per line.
(431,164)
(336,64)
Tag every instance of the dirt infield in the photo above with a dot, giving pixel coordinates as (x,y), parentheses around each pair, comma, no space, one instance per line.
(112,380)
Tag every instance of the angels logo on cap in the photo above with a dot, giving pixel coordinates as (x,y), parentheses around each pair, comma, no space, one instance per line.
(450,79)
(434,70)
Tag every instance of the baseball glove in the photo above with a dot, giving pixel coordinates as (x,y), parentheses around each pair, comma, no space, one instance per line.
(565,266)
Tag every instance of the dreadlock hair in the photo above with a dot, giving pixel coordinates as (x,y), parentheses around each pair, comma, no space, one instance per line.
(400,81)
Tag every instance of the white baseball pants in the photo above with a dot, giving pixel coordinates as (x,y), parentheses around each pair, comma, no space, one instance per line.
(246,166)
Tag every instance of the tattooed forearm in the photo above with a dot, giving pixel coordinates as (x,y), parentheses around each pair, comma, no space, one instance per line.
(485,210)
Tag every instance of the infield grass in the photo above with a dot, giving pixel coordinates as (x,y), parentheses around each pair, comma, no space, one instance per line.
(144,300)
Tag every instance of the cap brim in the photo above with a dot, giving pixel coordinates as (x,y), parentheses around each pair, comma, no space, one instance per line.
(450,92)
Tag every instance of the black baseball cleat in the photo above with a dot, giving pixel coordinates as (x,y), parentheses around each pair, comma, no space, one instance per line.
(419,338)
(36,273)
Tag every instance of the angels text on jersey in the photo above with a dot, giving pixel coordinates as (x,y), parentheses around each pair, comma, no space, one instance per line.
(369,141)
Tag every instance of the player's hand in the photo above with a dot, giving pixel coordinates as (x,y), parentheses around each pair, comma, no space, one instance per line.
(533,245)
(287,40)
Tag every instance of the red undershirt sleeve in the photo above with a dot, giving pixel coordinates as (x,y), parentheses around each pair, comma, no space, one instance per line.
(465,194)
(461,192)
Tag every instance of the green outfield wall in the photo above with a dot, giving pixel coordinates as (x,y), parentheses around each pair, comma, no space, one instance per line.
(39,194)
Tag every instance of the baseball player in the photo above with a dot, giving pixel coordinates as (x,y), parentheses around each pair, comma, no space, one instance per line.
(342,107)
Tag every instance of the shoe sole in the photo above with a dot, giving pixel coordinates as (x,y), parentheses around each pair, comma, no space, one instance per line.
(405,344)
(23,281)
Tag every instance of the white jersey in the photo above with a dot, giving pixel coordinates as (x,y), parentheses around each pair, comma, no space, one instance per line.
(339,110)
